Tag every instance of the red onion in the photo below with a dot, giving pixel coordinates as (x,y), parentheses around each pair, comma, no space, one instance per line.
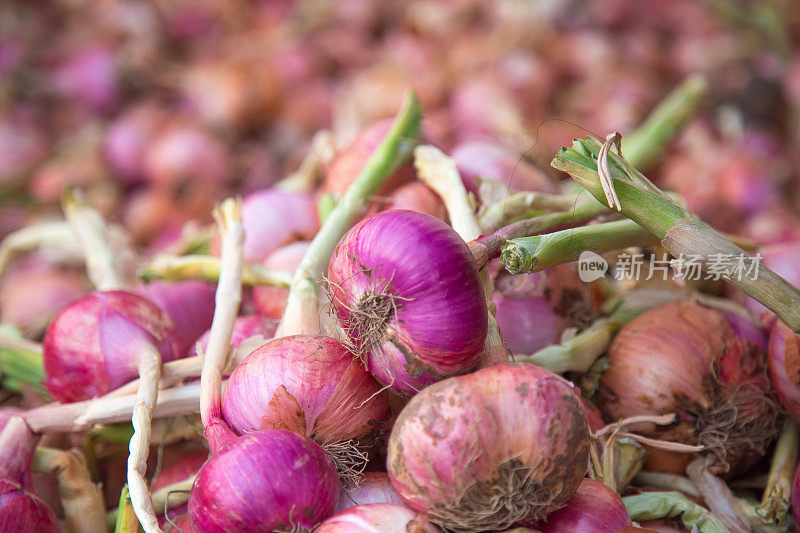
(348,163)
(495,448)
(190,305)
(184,153)
(528,323)
(485,160)
(22,141)
(88,75)
(94,343)
(20,509)
(784,367)
(594,507)
(373,487)
(311,385)
(33,291)
(271,301)
(264,481)
(273,218)
(243,328)
(377,518)
(126,142)
(406,291)
(685,358)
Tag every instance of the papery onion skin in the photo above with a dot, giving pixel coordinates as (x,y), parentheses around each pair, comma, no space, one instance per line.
(243,328)
(308,384)
(190,305)
(272,218)
(594,507)
(377,518)
(22,511)
(373,487)
(264,481)
(784,367)
(515,434)
(405,289)
(94,343)
(271,301)
(685,358)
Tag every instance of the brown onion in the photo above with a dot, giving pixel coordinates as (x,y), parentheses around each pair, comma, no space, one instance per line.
(686,359)
(500,447)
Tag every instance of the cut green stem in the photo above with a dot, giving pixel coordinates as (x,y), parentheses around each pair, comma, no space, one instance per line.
(539,252)
(681,234)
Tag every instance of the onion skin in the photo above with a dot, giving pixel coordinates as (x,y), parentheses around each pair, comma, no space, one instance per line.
(190,305)
(93,344)
(377,518)
(431,319)
(594,507)
(271,301)
(273,218)
(22,511)
(374,487)
(264,481)
(686,359)
(307,384)
(522,412)
(784,367)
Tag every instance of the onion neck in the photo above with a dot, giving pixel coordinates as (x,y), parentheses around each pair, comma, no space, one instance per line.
(774,507)
(228,299)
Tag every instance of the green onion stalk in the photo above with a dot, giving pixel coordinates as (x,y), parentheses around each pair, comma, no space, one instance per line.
(679,232)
